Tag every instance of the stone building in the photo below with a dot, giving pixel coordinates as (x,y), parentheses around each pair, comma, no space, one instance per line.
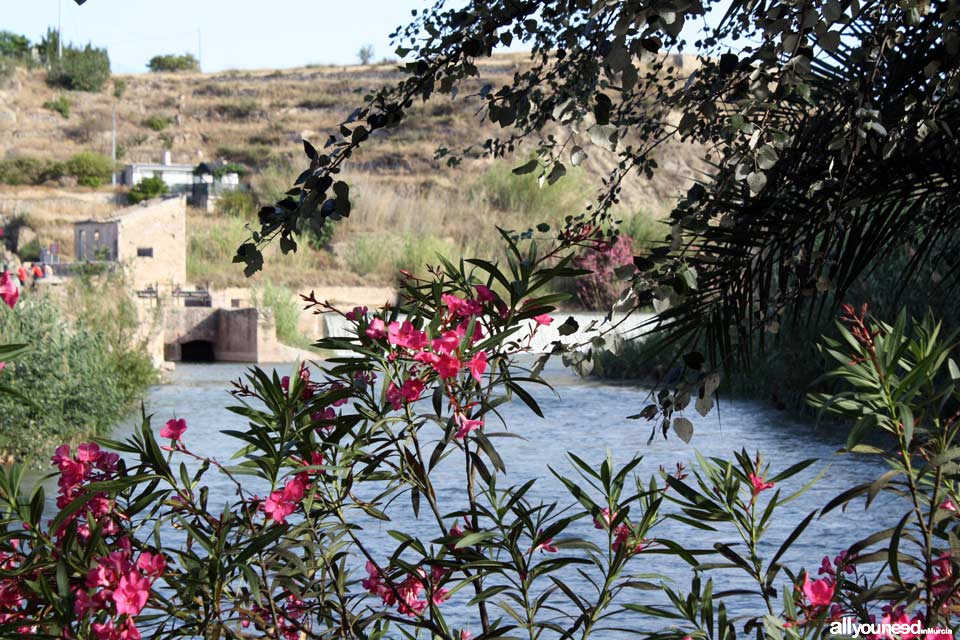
(149,240)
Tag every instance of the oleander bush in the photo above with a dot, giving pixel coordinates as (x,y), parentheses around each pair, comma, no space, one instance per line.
(138,548)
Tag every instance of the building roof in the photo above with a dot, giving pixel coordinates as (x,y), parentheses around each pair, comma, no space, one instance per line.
(155,166)
(132,211)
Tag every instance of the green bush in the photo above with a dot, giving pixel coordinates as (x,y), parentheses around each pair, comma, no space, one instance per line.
(86,69)
(119,88)
(60,104)
(524,200)
(90,169)
(174,63)
(14,46)
(156,123)
(286,312)
(30,171)
(237,110)
(81,374)
(237,204)
(148,189)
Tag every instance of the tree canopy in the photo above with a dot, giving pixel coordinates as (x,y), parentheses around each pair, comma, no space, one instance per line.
(828,125)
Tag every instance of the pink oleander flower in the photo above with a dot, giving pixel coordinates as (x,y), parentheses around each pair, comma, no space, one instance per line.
(394,399)
(126,630)
(545,545)
(376,330)
(282,503)
(406,335)
(9,292)
(358,313)
(131,594)
(466,426)
(459,307)
(3,365)
(948,505)
(447,343)
(758,484)
(605,518)
(543,320)
(412,389)
(174,429)
(818,592)
(152,564)
(478,365)
(325,415)
(427,358)
(465,635)
(448,366)
(484,294)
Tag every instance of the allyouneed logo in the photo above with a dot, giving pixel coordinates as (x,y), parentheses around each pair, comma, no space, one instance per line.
(851,628)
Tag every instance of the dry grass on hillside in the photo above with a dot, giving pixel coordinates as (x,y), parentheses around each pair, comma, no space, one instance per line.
(408,206)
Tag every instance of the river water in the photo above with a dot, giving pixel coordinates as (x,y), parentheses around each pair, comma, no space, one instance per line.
(588,417)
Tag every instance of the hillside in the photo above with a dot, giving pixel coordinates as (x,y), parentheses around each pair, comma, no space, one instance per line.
(408,206)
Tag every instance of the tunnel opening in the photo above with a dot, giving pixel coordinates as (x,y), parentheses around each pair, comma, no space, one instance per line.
(197,351)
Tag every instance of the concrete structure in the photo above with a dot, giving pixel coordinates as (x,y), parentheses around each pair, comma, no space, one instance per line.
(223,335)
(177,177)
(149,240)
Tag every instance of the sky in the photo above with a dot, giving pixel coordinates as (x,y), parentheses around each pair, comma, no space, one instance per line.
(229,34)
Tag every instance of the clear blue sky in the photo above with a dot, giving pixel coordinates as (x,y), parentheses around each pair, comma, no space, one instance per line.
(234,34)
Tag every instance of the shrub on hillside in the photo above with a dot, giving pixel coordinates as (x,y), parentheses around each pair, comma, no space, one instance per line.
(172,62)
(119,87)
(148,189)
(238,110)
(237,204)
(30,171)
(89,168)
(59,104)
(156,123)
(14,46)
(524,199)
(86,69)
(601,288)
(285,305)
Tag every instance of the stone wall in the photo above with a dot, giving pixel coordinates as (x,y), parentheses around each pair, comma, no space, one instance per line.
(159,228)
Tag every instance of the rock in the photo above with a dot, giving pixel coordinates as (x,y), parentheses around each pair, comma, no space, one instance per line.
(8,118)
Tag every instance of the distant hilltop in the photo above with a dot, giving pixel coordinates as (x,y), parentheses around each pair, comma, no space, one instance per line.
(258,119)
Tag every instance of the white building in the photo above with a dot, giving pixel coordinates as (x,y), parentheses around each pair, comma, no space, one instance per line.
(177,177)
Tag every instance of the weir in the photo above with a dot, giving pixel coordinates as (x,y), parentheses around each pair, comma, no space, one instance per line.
(205,334)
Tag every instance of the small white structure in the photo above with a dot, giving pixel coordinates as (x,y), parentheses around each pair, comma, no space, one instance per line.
(177,177)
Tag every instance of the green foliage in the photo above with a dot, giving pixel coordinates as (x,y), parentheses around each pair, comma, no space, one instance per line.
(238,110)
(30,171)
(523,198)
(80,375)
(237,204)
(48,46)
(173,63)
(14,46)
(156,123)
(60,104)
(86,69)
(285,306)
(89,168)
(119,88)
(147,189)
